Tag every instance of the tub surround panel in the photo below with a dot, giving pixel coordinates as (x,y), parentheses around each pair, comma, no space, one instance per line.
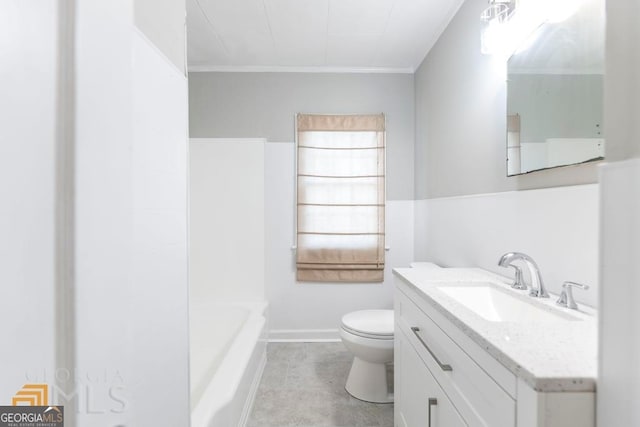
(227,228)
(228,314)
(131,224)
(557,227)
(160,252)
(303,311)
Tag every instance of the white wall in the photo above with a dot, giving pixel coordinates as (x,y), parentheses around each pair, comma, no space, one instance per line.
(619,371)
(557,227)
(28,48)
(131,224)
(227,226)
(302,310)
(619,381)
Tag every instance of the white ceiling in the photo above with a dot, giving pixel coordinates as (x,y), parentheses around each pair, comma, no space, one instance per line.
(385,35)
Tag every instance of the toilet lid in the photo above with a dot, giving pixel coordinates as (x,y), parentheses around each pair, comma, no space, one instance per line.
(370,322)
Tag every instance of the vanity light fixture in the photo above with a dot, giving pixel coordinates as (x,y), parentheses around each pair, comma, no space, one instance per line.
(494,18)
(508,23)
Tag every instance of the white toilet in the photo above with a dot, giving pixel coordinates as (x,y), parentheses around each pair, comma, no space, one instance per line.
(368,335)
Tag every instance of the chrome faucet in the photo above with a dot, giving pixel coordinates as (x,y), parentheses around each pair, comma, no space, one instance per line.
(537,286)
(566,297)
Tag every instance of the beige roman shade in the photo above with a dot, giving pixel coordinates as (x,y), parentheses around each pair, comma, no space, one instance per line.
(340,198)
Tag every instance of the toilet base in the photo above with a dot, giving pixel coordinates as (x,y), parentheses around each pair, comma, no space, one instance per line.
(368,381)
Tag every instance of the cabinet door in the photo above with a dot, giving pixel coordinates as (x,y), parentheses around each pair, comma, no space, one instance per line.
(420,401)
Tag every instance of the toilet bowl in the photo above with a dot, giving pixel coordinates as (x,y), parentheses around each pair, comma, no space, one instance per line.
(368,335)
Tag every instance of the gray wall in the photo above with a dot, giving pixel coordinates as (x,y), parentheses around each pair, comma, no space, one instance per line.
(622,84)
(461,119)
(264,104)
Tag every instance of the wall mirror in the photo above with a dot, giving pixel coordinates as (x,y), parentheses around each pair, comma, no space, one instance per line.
(555,93)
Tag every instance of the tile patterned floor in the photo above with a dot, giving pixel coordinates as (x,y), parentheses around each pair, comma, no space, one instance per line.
(303,386)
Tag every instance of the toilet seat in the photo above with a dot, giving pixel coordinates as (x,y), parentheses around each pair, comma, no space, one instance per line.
(372,324)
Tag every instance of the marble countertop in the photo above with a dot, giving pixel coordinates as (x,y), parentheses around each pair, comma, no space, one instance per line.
(550,356)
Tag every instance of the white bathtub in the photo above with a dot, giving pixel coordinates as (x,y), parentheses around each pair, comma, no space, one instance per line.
(227,357)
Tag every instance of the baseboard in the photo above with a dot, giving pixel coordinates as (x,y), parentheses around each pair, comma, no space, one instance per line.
(304,335)
(248,405)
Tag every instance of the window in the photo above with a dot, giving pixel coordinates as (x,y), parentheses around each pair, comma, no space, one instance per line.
(340,198)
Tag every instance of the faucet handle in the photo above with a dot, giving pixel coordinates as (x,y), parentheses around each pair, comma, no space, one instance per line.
(518,283)
(566,297)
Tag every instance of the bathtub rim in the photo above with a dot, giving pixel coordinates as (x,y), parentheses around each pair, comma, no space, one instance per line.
(247,347)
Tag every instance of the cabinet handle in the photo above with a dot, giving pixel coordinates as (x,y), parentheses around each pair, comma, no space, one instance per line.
(443,366)
(432,402)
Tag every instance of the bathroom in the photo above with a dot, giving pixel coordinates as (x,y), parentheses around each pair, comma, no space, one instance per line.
(149,211)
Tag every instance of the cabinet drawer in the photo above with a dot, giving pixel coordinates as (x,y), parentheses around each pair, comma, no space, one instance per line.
(421,401)
(478,398)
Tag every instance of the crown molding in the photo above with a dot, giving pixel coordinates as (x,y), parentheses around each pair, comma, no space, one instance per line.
(286,69)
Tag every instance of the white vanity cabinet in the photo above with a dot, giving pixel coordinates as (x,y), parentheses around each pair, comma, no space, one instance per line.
(443,378)
(423,401)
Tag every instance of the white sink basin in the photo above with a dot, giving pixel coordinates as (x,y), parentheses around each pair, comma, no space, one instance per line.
(497,305)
